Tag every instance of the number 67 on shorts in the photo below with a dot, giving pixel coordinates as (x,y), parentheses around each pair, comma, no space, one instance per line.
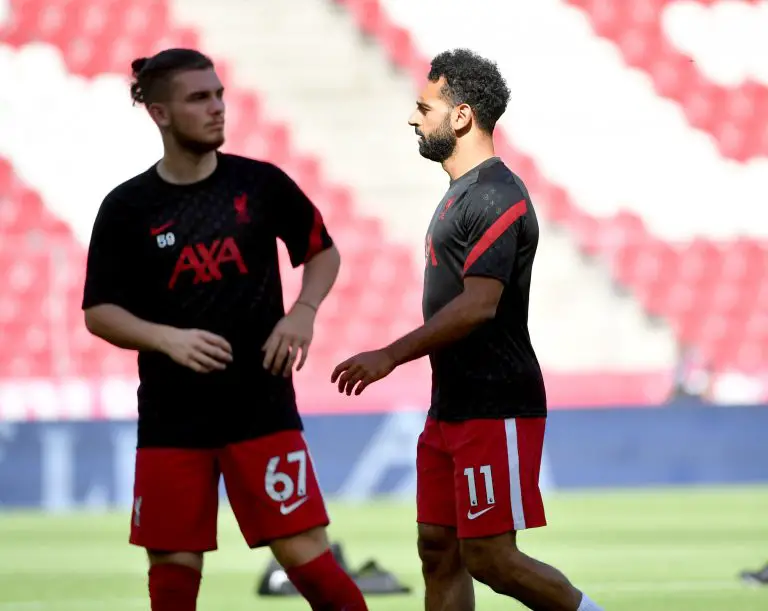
(270,482)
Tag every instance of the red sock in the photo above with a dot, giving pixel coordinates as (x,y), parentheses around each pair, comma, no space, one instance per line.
(173,587)
(326,586)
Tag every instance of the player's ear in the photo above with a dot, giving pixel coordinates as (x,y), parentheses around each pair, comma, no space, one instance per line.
(159,114)
(462,117)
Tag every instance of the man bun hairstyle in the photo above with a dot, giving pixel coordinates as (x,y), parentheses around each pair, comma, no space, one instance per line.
(473,80)
(152,75)
(137,65)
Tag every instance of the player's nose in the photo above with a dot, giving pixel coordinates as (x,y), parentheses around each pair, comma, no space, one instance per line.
(218,106)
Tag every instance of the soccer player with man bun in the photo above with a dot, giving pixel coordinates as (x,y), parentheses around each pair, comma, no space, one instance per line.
(183,268)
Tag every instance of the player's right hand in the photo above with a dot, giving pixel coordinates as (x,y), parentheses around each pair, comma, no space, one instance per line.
(201,351)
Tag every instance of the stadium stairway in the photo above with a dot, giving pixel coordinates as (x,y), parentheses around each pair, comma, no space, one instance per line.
(347,104)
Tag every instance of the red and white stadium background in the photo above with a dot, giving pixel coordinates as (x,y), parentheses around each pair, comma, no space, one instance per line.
(646,142)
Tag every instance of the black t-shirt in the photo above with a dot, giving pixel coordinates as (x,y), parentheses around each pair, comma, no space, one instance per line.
(485,225)
(204,256)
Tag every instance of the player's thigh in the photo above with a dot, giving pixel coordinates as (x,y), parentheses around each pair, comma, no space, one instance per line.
(175,500)
(496,471)
(435,498)
(272,487)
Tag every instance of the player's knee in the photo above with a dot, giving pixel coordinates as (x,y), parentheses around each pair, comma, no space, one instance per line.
(193,560)
(478,558)
(493,562)
(438,551)
(300,549)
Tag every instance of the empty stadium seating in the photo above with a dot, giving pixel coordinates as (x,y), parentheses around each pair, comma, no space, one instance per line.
(710,285)
(713,292)
(733,115)
(40,319)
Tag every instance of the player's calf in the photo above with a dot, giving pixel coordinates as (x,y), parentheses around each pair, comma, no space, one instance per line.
(174,580)
(447,582)
(311,567)
(498,563)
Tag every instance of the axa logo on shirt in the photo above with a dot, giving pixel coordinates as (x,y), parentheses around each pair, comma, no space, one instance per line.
(206,261)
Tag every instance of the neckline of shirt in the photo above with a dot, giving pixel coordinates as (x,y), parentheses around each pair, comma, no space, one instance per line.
(479,166)
(190,185)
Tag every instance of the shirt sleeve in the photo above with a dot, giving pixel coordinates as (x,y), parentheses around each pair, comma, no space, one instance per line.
(493,219)
(110,276)
(299,223)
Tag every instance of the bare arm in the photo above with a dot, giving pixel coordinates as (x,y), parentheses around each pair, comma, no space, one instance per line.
(293,334)
(120,328)
(476,305)
(299,224)
(318,278)
(490,224)
(111,287)
(199,350)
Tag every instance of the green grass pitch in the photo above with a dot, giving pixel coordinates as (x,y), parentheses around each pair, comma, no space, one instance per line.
(660,550)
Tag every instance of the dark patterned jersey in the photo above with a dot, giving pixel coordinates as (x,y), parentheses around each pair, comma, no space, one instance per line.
(485,226)
(205,256)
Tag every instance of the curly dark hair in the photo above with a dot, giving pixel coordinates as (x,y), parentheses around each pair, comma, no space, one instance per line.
(152,75)
(474,80)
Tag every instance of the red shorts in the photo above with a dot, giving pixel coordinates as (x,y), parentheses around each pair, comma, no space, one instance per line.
(270,481)
(480,476)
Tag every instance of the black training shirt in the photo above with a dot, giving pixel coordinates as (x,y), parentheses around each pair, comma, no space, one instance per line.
(204,256)
(485,226)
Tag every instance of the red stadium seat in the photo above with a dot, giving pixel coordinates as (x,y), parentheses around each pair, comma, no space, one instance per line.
(367,13)
(734,116)
(306,172)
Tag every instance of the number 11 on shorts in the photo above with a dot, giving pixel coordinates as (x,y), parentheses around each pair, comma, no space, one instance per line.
(485,470)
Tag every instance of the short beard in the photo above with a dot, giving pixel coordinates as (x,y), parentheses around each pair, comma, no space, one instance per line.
(440,144)
(197,147)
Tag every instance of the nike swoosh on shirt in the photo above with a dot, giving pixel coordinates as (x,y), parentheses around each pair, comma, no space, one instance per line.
(286,509)
(159,230)
(472,516)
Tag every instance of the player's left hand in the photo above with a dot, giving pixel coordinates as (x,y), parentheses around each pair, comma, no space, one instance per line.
(293,334)
(362,371)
